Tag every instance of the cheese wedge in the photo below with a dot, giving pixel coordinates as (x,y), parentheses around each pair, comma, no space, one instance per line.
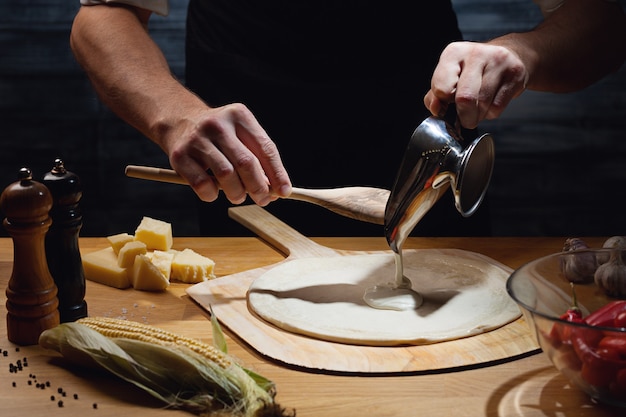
(126,256)
(156,234)
(101,266)
(146,276)
(119,240)
(163,261)
(191,267)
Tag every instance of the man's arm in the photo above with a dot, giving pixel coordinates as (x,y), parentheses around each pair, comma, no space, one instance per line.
(132,77)
(577,44)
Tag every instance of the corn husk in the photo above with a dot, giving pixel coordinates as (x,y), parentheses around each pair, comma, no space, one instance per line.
(178,376)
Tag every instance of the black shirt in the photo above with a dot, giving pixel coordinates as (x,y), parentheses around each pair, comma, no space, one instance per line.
(337,84)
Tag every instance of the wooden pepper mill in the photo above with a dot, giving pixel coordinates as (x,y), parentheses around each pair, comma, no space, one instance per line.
(62,250)
(32,304)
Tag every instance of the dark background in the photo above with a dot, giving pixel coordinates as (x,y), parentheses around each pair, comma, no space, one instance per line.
(559,170)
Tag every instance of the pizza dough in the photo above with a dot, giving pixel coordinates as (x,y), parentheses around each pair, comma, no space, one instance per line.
(464,294)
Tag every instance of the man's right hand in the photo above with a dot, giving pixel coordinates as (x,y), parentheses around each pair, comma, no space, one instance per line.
(226,148)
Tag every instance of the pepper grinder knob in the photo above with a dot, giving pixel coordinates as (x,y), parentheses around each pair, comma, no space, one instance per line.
(32,303)
(62,248)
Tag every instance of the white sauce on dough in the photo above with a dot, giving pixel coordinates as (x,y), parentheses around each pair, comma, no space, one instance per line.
(463,294)
(397,295)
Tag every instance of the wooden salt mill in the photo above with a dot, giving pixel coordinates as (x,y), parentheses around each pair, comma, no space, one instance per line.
(62,250)
(32,304)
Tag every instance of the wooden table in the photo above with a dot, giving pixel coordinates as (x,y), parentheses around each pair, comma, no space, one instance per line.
(528,386)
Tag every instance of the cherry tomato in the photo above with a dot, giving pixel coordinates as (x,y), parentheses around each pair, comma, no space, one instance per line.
(599,364)
(555,338)
(560,334)
(620,320)
(618,386)
(617,343)
(599,368)
(566,357)
(598,376)
(590,337)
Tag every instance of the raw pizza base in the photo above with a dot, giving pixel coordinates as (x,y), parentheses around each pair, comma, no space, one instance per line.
(464,294)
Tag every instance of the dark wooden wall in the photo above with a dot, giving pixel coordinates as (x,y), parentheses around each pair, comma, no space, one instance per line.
(560,167)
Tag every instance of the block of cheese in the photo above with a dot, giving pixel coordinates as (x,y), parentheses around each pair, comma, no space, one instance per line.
(126,256)
(156,234)
(162,260)
(101,266)
(146,276)
(191,267)
(119,240)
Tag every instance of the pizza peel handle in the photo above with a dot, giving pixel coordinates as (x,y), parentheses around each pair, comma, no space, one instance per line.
(277,233)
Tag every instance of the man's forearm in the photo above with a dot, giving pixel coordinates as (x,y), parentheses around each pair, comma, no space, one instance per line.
(579,43)
(128,70)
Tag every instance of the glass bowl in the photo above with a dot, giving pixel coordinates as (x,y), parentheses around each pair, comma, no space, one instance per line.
(591,353)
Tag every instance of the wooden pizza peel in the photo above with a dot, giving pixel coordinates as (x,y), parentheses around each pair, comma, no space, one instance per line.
(226,296)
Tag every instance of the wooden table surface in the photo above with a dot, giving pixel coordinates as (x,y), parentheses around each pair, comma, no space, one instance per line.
(528,386)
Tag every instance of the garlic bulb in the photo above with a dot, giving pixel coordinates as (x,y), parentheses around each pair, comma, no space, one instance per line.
(577,267)
(574,243)
(614,242)
(611,275)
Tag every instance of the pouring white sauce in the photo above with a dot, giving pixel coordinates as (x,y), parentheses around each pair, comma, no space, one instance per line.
(436,158)
(396,295)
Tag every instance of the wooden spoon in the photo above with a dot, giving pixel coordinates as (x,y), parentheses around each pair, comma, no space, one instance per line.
(361,203)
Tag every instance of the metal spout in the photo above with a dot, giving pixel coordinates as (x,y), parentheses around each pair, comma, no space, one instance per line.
(437,157)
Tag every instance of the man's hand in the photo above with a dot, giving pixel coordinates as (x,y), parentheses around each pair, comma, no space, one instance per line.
(229,142)
(480,78)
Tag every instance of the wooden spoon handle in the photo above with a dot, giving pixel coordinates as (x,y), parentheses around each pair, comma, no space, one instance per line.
(360,203)
(155,174)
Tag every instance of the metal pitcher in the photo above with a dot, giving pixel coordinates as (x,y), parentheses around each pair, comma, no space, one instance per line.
(437,157)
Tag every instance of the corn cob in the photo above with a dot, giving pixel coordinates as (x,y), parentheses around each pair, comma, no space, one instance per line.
(184,373)
(118,328)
